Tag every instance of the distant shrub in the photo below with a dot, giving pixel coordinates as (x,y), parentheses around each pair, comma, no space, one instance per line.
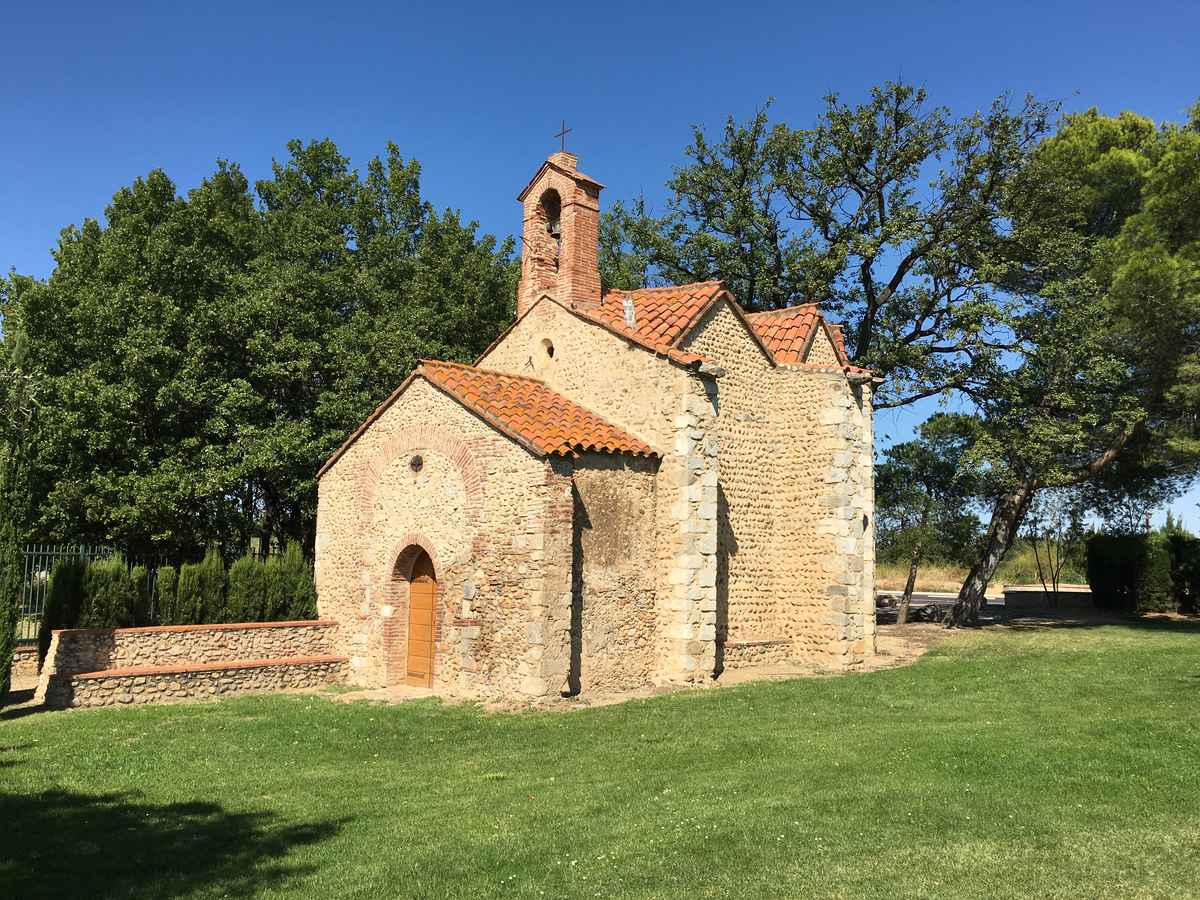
(291,594)
(167,587)
(64,598)
(1185,571)
(109,595)
(246,597)
(1155,591)
(1130,573)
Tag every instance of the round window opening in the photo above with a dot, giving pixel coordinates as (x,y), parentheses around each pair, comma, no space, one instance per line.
(416,463)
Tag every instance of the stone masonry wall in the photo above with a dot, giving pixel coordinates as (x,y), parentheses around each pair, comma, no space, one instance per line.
(94,649)
(477,506)
(673,410)
(751,464)
(614,620)
(126,686)
(795,561)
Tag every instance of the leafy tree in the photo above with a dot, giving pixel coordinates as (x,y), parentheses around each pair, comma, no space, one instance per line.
(1107,240)
(202,355)
(890,213)
(924,489)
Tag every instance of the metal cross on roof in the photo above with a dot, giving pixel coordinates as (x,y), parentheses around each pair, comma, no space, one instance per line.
(562,136)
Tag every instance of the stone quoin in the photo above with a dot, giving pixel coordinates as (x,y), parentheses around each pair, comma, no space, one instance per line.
(626,489)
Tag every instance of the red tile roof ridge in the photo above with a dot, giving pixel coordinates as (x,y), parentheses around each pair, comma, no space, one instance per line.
(666,287)
(787,309)
(683,357)
(474,368)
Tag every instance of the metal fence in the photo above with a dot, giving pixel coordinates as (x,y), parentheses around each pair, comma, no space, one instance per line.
(39,561)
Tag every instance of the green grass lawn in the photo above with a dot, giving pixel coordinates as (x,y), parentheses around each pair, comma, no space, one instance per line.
(1060,762)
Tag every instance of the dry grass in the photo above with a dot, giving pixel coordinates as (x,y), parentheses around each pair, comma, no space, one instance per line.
(1018,567)
(930,577)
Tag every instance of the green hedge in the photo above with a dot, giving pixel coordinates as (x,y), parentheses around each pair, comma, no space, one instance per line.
(167,587)
(1185,571)
(11,576)
(106,594)
(246,597)
(1134,573)
(291,594)
(110,595)
(64,597)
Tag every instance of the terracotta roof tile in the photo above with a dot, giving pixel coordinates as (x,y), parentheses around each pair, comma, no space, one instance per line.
(661,315)
(527,410)
(786,332)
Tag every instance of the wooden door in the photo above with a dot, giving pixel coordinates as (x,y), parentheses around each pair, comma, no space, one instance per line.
(422,601)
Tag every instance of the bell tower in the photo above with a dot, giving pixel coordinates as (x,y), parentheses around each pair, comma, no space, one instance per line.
(561,236)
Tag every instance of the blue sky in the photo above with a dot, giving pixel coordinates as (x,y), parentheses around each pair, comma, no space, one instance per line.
(94,94)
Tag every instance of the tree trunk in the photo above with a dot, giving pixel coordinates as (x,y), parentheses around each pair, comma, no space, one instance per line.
(906,599)
(1006,519)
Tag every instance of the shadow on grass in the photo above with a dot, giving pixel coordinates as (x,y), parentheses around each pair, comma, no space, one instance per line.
(61,844)
(16,704)
(1161,624)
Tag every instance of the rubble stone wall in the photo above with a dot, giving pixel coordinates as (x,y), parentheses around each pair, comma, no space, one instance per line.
(77,650)
(127,686)
(796,555)
(476,504)
(614,618)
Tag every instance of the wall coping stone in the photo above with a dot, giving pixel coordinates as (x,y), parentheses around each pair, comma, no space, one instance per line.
(208,667)
(220,626)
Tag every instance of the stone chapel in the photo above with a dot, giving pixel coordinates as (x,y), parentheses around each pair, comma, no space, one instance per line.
(628,488)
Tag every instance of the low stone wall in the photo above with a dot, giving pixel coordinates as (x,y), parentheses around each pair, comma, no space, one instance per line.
(1032,599)
(207,682)
(92,666)
(742,654)
(25,662)
(93,649)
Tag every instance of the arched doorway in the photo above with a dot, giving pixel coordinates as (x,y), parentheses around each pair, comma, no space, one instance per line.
(422,616)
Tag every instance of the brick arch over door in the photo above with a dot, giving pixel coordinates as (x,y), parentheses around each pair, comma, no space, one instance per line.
(396,637)
(427,437)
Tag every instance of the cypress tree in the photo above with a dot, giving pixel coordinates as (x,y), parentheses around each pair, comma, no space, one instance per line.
(167,586)
(247,596)
(190,604)
(64,597)
(212,587)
